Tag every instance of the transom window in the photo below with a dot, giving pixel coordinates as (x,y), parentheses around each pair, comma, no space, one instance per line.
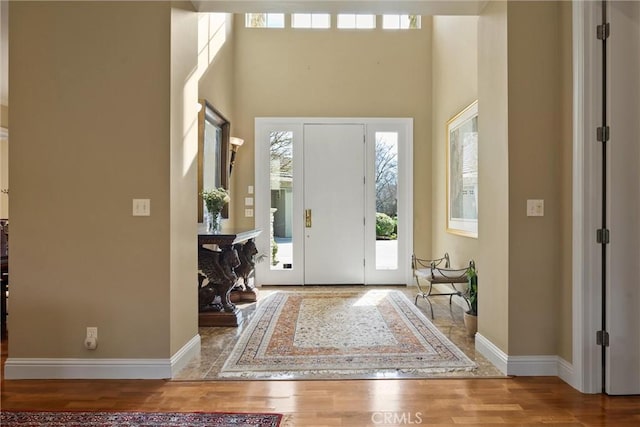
(356,21)
(264,20)
(311,20)
(400,22)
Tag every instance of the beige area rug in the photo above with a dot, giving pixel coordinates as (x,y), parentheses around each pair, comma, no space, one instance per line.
(342,334)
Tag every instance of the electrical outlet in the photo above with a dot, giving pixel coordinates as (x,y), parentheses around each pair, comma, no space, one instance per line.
(248,213)
(92,332)
(248,201)
(91,340)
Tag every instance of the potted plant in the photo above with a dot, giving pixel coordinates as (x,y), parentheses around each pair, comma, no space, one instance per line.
(214,201)
(471,315)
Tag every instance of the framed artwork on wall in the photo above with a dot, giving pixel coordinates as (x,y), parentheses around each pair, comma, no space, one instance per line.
(462,172)
(213,150)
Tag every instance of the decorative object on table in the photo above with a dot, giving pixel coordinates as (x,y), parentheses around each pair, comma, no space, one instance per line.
(235,144)
(342,334)
(462,172)
(214,201)
(471,315)
(123,419)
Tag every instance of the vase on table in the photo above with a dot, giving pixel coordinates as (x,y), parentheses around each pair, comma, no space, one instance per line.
(212,222)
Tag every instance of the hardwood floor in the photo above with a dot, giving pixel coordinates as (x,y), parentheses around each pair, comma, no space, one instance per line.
(354,403)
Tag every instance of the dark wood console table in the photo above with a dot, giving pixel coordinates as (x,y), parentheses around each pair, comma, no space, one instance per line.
(229,260)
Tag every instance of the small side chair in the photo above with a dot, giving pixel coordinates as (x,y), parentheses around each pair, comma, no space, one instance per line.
(438,271)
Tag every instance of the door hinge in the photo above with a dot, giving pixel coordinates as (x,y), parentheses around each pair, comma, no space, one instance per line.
(602,31)
(602,338)
(364,262)
(364,221)
(602,236)
(602,134)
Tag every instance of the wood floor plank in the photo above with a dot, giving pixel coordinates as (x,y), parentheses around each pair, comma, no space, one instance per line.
(353,403)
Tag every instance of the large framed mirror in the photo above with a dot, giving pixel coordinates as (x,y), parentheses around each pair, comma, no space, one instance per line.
(213,153)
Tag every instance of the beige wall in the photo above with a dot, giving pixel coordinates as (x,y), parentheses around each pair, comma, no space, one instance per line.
(183,294)
(216,51)
(525,153)
(535,164)
(454,87)
(117,133)
(334,73)
(4,177)
(216,68)
(94,77)
(565,344)
(4,116)
(493,179)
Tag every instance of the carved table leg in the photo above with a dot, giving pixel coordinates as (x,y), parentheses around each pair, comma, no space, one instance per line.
(214,306)
(246,253)
(228,261)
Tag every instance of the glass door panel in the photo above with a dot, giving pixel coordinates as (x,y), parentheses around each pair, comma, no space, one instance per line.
(389,235)
(281,193)
(386,190)
(278,201)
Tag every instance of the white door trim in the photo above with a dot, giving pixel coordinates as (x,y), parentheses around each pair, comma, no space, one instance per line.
(263,125)
(586,269)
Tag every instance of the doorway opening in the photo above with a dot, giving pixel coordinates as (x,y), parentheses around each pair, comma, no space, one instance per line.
(335,196)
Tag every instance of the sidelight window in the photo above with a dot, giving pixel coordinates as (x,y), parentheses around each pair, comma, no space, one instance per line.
(281,186)
(386,183)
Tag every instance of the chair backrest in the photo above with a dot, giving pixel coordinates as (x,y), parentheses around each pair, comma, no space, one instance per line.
(417,263)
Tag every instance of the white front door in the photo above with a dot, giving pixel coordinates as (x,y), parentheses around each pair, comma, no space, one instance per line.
(334,184)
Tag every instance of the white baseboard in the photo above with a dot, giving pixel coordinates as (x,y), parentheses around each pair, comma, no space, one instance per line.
(188,351)
(541,366)
(533,366)
(489,350)
(76,368)
(567,373)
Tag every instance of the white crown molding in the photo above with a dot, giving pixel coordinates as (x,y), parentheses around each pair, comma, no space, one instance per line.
(76,368)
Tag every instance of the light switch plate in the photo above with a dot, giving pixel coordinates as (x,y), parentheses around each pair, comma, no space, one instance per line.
(535,207)
(248,201)
(141,207)
(250,189)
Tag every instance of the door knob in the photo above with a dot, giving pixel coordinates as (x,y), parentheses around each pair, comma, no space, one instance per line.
(307,218)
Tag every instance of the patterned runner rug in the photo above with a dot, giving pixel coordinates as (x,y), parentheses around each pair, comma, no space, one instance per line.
(342,334)
(138,419)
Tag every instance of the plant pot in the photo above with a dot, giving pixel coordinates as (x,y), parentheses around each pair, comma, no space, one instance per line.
(471,323)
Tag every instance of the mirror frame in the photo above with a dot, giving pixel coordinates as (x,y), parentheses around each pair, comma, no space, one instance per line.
(208,114)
